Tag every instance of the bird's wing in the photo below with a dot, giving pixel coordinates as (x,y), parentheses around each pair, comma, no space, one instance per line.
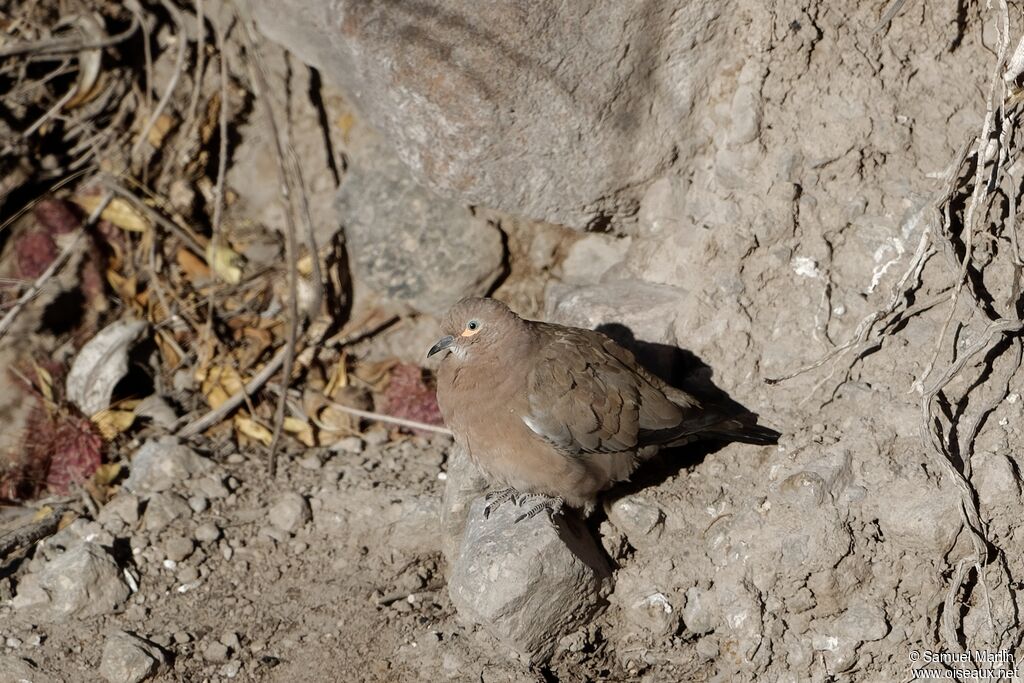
(588,395)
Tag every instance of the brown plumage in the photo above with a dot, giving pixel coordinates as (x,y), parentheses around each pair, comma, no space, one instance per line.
(559,411)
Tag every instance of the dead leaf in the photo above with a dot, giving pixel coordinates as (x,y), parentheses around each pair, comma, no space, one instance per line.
(101,364)
(107,473)
(300,429)
(219,383)
(112,422)
(195,268)
(225,262)
(161,127)
(253,429)
(118,212)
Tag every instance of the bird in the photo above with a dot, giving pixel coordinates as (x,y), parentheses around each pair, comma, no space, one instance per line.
(559,413)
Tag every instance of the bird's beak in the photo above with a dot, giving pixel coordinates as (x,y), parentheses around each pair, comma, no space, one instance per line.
(442,344)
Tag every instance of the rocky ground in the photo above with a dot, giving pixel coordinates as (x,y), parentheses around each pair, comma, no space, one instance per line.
(793,238)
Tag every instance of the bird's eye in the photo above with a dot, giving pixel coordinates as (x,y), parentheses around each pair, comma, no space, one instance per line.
(472,325)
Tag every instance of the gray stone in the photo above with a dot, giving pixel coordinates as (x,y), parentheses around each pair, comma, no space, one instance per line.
(701,613)
(290,512)
(17,670)
(527,584)
(863,623)
(638,518)
(563,112)
(164,508)
(177,548)
(161,463)
(198,504)
(158,411)
(85,581)
(591,256)
(130,659)
(216,653)
(463,484)
(121,509)
(409,244)
(647,310)
(207,532)
(212,486)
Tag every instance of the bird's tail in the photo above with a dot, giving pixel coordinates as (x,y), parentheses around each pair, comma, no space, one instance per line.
(744,432)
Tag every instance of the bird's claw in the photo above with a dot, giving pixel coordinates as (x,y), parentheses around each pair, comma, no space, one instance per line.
(496,499)
(552,505)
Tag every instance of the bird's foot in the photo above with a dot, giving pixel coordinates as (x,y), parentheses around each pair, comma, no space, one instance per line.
(553,506)
(496,499)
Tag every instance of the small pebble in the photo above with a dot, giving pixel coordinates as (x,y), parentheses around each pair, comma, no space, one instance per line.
(177,548)
(187,575)
(350,444)
(236,458)
(216,653)
(376,436)
(198,504)
(231,669)
(290,512)
(227,551)
(207,532)
(182,637)
(13,642)
(310,462)
(231,640)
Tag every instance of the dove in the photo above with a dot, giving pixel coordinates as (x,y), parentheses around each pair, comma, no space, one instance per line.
(559,413)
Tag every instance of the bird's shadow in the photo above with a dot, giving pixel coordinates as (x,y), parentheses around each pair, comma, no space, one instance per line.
(683,370)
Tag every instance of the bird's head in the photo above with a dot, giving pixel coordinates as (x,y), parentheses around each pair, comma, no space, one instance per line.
(473,326)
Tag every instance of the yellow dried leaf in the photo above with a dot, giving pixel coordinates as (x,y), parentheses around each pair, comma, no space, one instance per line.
(118,212)
(219,384)
(300,429)
(107,473)
(225,262)
(161,127)
(339,377)
(113,421)
(253,429)
(45,381)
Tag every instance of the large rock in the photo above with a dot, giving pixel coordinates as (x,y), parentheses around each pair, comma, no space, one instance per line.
(161,463)
(530,583)
(85,581)
(410,244)
(559,111)
(464,484)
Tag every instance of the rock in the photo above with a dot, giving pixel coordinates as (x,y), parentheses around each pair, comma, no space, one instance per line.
(198,504)
(85,581)
(207,532)
(639,519)
(164,508)
(563,113)
(527,584)
(348,444)
(863,623)
(995,479)
(916,514)
(216,652)
(16,670)
(701,613)
(647,310)
(158,411)
(130,659)
(161,463)
(212,486)
(290,512)
(121,509)
(463,484)
(177,548)
(591,256)
(411,245)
